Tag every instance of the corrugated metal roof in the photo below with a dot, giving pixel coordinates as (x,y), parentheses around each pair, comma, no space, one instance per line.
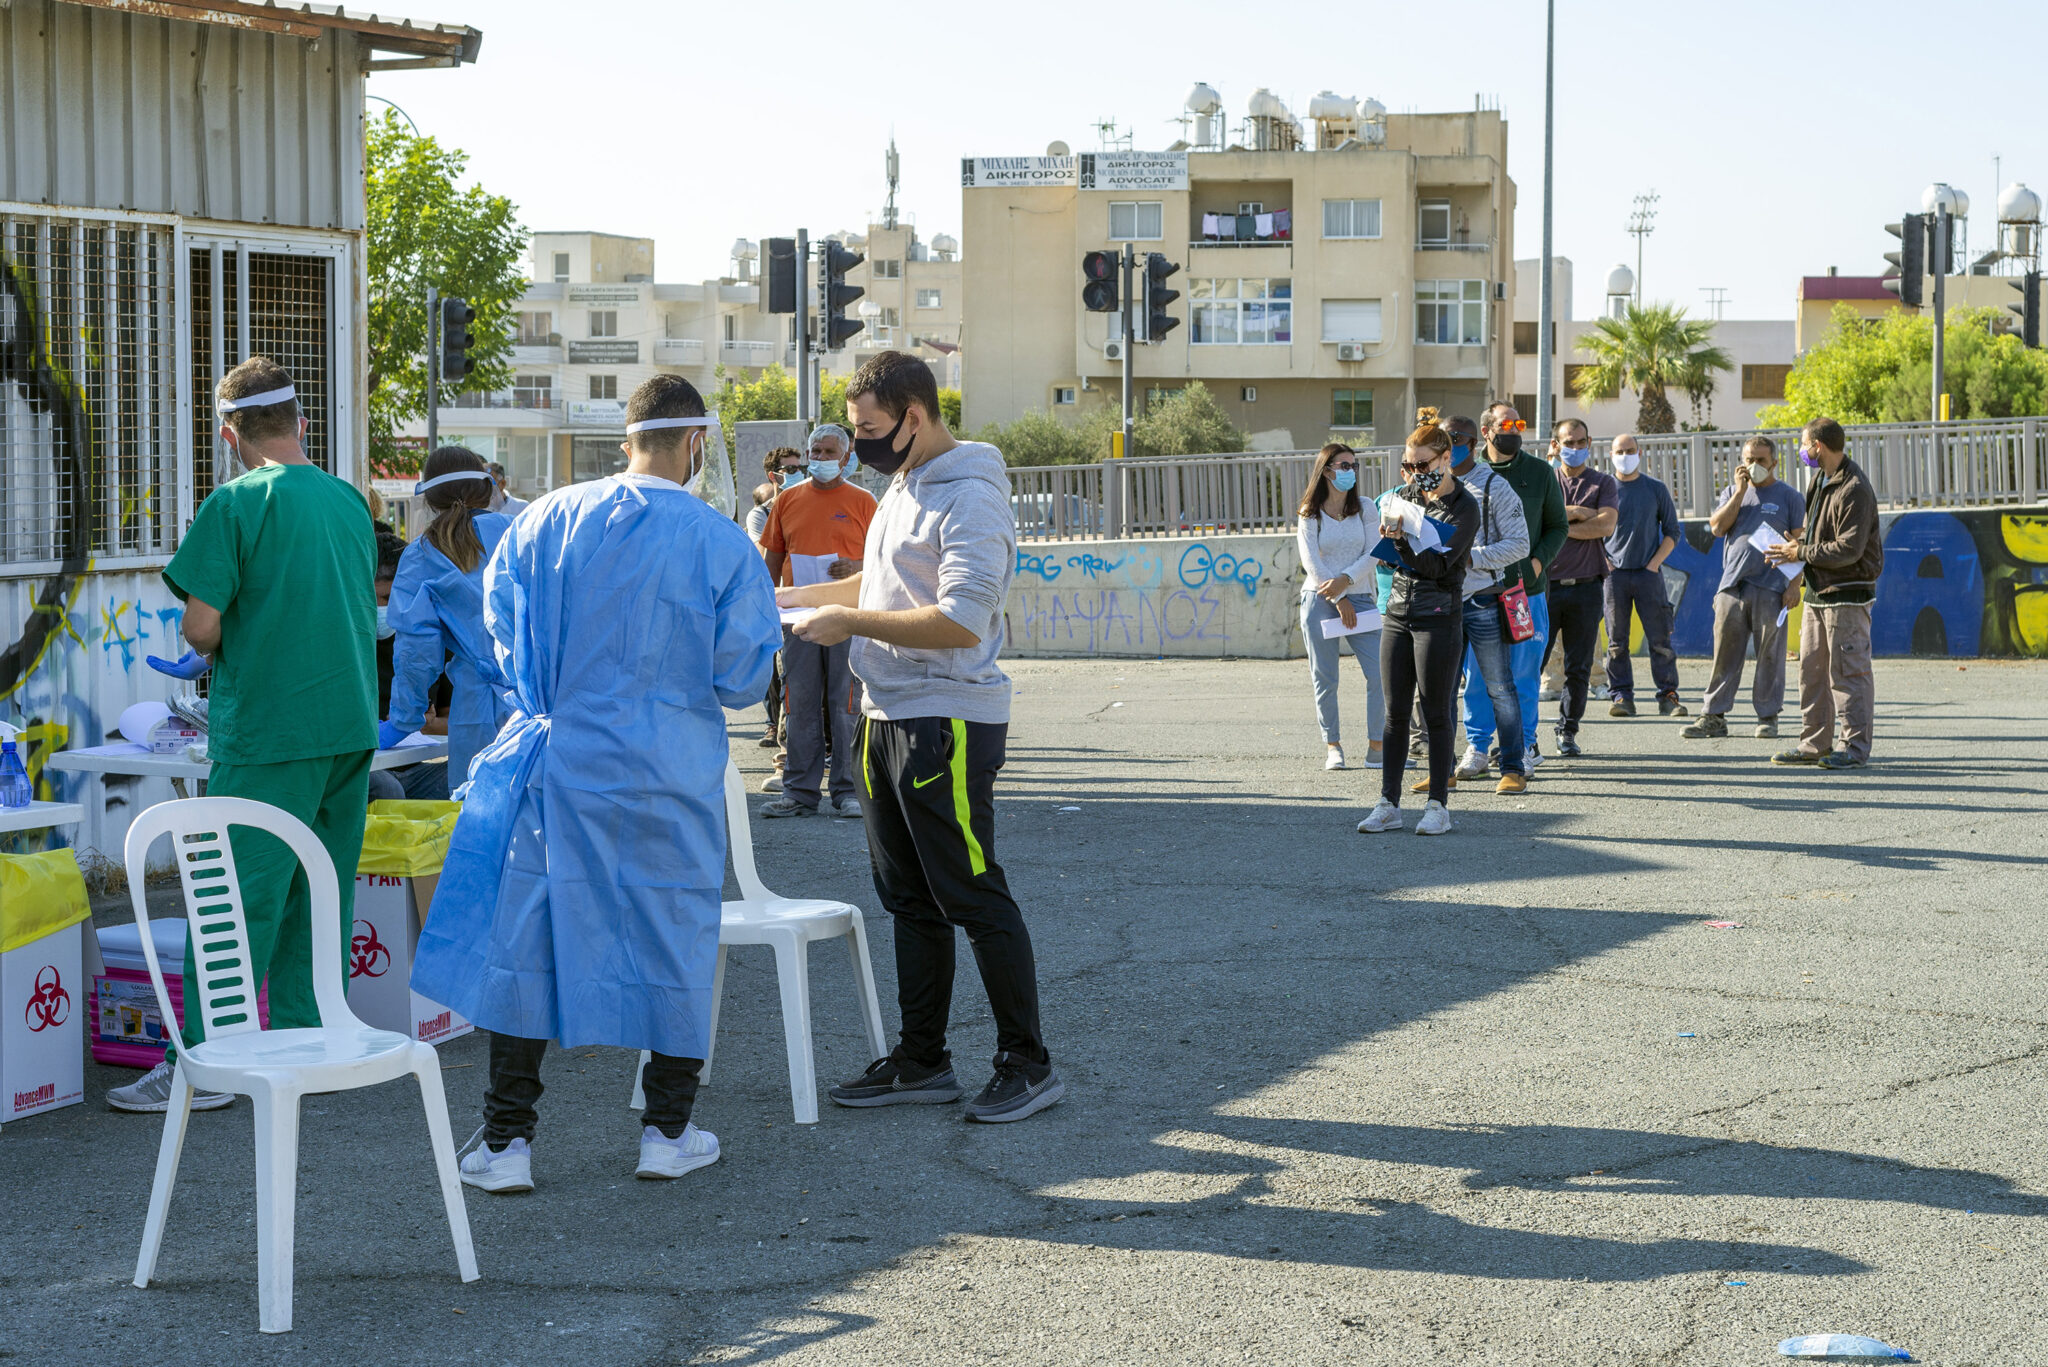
(449,43)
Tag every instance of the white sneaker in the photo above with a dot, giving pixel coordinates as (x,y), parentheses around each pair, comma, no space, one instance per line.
(509,1169)
(152,1092)
(1436,819)
(1531,757)
(772,783)
(662,1157)
(1473,764)
(1385,817)
(1335,759)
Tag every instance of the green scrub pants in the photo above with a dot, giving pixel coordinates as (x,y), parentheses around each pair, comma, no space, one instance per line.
(330,794)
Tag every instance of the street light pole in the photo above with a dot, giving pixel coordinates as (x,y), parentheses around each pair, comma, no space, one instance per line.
(433,369)
(1547,347)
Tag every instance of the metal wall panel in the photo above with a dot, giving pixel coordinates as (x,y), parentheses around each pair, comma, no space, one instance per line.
(105,110)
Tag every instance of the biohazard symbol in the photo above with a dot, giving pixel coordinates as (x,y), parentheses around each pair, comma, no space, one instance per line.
(367,956)
(49,1004)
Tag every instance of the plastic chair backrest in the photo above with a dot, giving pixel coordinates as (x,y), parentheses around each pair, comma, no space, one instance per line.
(216,926)
(739,837)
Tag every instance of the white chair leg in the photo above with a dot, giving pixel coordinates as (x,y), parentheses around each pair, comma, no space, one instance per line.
(176,1116)
(639,1099)
(792,971)
(427,1068)
(717,996)
(277,1182)
(864,984)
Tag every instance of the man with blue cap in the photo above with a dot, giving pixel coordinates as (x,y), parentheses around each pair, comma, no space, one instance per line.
(580,900)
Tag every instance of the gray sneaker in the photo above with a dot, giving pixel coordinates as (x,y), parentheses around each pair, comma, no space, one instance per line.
(152,1093)
(1017,1090)
(1766,728)
(847,808)
(1712,726)
(786,806)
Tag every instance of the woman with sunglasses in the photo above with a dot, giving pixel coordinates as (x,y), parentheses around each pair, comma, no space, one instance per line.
(1422,635)
(1335,540)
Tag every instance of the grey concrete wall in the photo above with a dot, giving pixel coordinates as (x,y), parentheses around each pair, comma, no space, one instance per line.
(1222,595)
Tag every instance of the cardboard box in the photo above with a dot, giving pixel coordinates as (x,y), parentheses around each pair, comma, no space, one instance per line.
(42,1026)
(380,953)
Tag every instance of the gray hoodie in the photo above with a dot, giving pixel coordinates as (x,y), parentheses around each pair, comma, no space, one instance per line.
(944,534)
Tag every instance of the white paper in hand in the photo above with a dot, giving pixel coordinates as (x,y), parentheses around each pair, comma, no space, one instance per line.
(791,616)
(1368,620)
(806,570)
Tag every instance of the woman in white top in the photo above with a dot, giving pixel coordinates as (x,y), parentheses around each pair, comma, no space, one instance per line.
(1336,544)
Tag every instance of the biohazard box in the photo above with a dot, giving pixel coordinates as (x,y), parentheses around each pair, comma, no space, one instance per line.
(42,1026)
(389,911)
(127,1023)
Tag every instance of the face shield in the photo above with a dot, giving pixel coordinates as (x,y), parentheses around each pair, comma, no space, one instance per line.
(713,480)
(232,466)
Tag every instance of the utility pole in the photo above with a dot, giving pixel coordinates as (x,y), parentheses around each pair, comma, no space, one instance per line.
(1547,345)
(433,369)
(806,410)
(1940,265)
(1641,224)
(1128,264)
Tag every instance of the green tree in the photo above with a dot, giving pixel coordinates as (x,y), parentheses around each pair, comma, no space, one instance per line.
(1882,370)
(1039,438)
(422,230)
(1187,423)
(770,397)
(1650,349)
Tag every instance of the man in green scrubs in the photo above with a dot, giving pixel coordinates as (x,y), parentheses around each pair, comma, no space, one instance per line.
(278,578)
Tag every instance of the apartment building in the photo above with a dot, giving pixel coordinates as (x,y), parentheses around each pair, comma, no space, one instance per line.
(912,301)
(1324,289)
(595,323)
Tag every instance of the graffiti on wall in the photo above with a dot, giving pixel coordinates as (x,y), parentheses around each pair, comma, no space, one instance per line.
(1154,597)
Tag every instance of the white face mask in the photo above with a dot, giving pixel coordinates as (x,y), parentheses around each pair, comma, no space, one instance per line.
(1758,473)
(1626,462)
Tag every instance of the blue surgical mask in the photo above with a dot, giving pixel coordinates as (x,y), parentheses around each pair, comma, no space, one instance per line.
(1345,480)
(1575,456)
(824,471)
(1459,455)
(385,631)
(792,478)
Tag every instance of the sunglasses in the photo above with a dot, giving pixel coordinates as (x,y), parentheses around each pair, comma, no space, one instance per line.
(1414,469)
(1512,425)
(1344,465)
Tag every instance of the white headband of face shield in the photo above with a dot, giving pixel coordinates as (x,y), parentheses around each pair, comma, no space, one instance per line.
(655,424)
(263,400)
(451,477)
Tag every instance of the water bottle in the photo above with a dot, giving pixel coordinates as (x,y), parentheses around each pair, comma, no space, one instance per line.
(14,789)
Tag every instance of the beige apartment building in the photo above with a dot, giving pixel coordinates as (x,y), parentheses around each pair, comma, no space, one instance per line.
(912,301)
(1325,289)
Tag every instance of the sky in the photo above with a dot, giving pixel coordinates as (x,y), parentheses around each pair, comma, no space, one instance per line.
(1780,136)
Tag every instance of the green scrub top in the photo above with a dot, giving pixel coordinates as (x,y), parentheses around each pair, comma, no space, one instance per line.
(288,556)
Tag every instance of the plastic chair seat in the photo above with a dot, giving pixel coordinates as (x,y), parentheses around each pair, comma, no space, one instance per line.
(756,923)
(367,1054)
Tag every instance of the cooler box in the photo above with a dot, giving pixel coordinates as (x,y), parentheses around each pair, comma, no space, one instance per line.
(404,844)
(42,1018)
(127,1024)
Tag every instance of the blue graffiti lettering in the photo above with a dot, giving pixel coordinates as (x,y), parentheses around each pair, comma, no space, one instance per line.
(1199,566)
(1093,565)
(1045,567)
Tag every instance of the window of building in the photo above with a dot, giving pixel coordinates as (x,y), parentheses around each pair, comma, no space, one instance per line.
(533,391)
(1351,408)
(604,322)
(1528,336)
(1238,312)
(536,329)
(1249,393)
(594,458)
(1159,394)
(1063,395)
(526,465)
(1764,381)
(1136,220)
(1450,312)
(1351,218)
(561,267)
(1251,206)
(732,328)
(1351,320)
(890,318)
(1434,227)
(604,386)
(1524,403)
(891,269)
(928,299)
(1571,378)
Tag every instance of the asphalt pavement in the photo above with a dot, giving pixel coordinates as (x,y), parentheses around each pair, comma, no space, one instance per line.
(1501,1097)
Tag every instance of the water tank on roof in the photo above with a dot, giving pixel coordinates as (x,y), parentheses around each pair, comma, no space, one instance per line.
(1942,195)
(1266,105)
(1203,99)
(2018,204)
(1621,280)
(1371,109)
(946,245)
(1330,105)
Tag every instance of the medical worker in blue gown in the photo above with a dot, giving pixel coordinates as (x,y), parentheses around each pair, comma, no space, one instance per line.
(580,898)
(437,611)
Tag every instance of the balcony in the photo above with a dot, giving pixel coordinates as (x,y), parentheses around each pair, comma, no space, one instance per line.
(537,349)
(687,351)
(1440,245)
(754,354)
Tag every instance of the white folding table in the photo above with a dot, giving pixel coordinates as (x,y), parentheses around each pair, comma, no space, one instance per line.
(37,815)
(129,758)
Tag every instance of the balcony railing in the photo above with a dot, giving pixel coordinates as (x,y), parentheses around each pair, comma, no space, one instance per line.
(748,353)
(538,339)
(678,351)
(517,398)
(1439,246)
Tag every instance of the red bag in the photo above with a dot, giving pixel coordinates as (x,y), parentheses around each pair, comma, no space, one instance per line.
(1514,607)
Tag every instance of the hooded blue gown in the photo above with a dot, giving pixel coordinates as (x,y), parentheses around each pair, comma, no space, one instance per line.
(580,899)
(438,612)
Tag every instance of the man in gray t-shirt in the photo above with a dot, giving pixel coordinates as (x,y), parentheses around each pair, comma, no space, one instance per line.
(1750,608)
(926,617)
(1646,531)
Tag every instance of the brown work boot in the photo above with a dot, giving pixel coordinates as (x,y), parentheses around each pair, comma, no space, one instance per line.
(1512,783)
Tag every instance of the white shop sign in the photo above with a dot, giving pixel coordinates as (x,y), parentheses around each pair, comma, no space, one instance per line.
(604,294)
(980,173)
(42,1026)
(1134,170)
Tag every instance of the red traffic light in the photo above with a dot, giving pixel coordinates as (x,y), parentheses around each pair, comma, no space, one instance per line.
(1099,271)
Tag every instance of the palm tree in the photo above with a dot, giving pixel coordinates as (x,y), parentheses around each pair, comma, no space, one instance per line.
(1649,349)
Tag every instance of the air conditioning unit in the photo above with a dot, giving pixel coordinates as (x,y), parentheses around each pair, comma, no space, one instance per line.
(1350,351)
(1113,349)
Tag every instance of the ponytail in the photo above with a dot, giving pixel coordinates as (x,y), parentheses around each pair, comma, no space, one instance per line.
(456,504)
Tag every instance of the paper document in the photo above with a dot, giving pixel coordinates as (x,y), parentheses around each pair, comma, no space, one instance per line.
(1398,509)
(1368,620)
(1766,537)
(417,739)
(806,570)
(1783,613)
(791,616)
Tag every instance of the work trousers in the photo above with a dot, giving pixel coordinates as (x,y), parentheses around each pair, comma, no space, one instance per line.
(1323,665)
(929,790)
(1420,656)
(1744,615)
(1575,612)
(1525,659)
(1640,591)
(1836,690)
(774,699)
(669,1082)
(329,794)
(820,687)
(1489,657)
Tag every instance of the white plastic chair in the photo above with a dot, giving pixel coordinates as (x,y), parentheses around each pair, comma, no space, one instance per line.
(273,1068)
(788,925)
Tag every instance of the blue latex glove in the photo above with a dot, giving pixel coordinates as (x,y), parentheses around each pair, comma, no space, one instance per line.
(389,734)
(190,665)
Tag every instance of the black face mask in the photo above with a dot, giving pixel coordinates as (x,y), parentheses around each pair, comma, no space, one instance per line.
(880,454)
(1509,444)
(1429,481)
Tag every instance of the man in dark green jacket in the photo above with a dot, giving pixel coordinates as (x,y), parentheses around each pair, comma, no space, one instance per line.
(1500,430)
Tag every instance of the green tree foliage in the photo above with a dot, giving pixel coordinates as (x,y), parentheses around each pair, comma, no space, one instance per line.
(772,397)
(422,230)
(1649,350)
(1189,422)
(1882,370)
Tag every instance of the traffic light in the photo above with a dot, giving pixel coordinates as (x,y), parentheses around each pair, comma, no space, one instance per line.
(780,292)
(1909,262)
(456,316)
(1158,322)
(2029,307)
(835,295)
(1098,289)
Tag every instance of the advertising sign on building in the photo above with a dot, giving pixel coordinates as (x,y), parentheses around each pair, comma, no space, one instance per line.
(597,412)
(1134,170)
(980,173)
(605,351)
(603,294)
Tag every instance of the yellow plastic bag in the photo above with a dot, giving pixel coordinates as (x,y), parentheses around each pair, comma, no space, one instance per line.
(405,839)
(39,894)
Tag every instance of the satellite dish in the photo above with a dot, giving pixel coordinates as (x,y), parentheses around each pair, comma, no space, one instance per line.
(1057,148)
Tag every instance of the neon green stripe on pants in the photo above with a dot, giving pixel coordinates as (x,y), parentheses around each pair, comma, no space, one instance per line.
(976,860)
(867,772)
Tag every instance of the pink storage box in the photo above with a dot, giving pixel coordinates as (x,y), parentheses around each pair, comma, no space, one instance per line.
(127,1024)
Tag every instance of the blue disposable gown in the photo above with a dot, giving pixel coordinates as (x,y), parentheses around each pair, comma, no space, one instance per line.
(438,612)
(580,897)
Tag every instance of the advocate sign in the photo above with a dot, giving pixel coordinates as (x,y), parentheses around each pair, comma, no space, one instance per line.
(1088,171)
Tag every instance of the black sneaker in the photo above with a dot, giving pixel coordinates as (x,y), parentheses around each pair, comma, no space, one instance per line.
(897,1082)
(1568,746)
(1018,1089)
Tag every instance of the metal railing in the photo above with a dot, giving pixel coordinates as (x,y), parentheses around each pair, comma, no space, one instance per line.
(1912,465)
